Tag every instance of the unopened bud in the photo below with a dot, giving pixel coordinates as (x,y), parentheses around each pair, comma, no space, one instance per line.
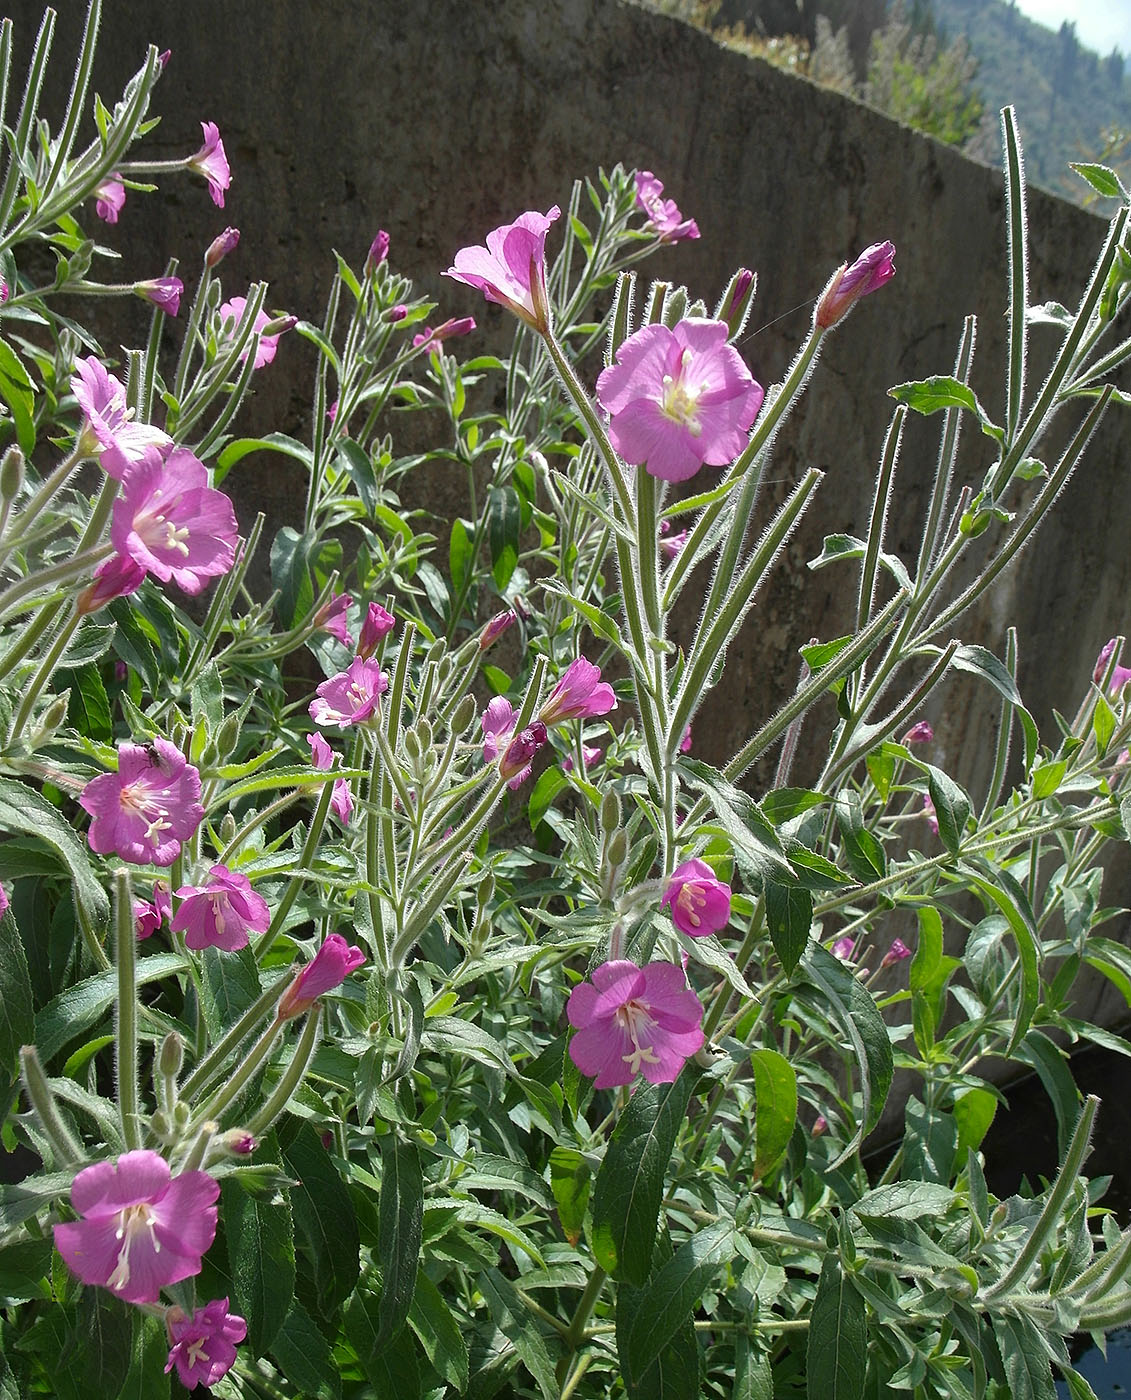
(220,247)
(171,1056)
(182,1115)
(236,1142)
(610,811)
(378,251)
(424,733)
(228,829)
(279,326)
(874,267)
(411,744)
(395,314)
(735,303)
(618,849)
(485,891)
(161,1127)
(495,629)
(55,714)
(228,736)
(465,714)
(11,473)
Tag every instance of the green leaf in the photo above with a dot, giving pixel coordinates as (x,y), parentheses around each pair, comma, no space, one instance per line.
(839,547)
(392,1368)
(504,524)
(361,473)
(303,1355)
(952,806)
(398,1236)
(1102,179)
(757,849)
(23,809)
(261,1257)
(973,1111)
(837,1352)
(1052,1069)
(231,984)
(753,1374)
(775,1110)
(459,556)
(88,708)
(325,1218)
(1027,1369)
(18,392)
(146,1377)
(674,1373)
(1103,724)
(1047,778)
(630,1182)
(1002,889)
(516,1324)
(783,804)
(103,1343)
(549,784)
(905,1200)
(439,1333)
(818,654)
(671,1295)
(855,1012)
(938,392)
(17,1019)
(570,1181)
(290,574)
(273,442)
(74,1011)
(930,1139)
(789,916)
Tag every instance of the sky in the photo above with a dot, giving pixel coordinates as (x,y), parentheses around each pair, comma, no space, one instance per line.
(1101,25)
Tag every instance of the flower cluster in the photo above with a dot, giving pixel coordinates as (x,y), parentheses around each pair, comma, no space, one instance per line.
(664,217)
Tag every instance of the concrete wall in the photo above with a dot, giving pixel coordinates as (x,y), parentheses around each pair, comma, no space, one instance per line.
(438,119)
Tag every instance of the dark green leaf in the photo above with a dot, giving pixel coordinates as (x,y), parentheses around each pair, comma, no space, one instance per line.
(146,1379)
(325,1219)
(392,1368)
(303,1355)
(1052,1069)
(290,574)
(261,1257)
(757,849)
(18,393)
(17,1020)
(974,1111)
(855,1012)
(630,1182)
(398,1242)
(674,1374)
(930,1140)
(670,1296)
(518,1326)
(88,708)
(504,522)
(952,806)
(1027,1367)
(837,1353)
(104,1342)
(1002,889)
(439,1333)
(789,916)
(459,556)
(231,984)
(77,1009)
(361,473)
(23,809)
(938,392)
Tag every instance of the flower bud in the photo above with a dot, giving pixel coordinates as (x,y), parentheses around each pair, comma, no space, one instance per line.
(182,1115)
(618,849)
(228,829)
(221,246)
(411,744)
(161,1127)
(236,1142)
(395,314)
(11,473)
(424,733)
(874,267)
(610,811)
(171,1056)
(495,629)
(735,303)
(485,891)
(378,251)
(465,714)
(54,715)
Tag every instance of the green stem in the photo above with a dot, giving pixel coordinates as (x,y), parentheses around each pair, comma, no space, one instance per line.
(291,1077)
(305,860)
(65,1145)
(212,1063)
(125,1041)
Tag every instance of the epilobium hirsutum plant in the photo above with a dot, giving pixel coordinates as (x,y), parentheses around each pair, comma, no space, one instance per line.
(452,1028)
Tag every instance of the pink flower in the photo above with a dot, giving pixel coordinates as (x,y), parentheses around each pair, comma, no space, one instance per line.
(109,198)
(1120,674)
(266,345)
(874,267)
(663,215)
(333,618)
(222,913)
(518,757)
(497,721)
(429,339)
(171,522)
(203,1347)
(377,625)
(4,292)
(929,813)
(322,757)
(896,953)
(164,292)
(580,694)
(211,162)
(820,1126)
(630,1019)
(396,313)
(920,733)
(351,696)
(142,1228)
(670,545)
(221,246)
(843,948)
(5,902)
(110,427)
(148,917)
(495,629)
(147,808)
(330,967)
(679,398)
(685,741)
(589,754)
(114,578)
(700,902)
(378,251)
(511,269)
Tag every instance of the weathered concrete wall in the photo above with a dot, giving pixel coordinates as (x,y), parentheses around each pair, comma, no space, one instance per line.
(438,119)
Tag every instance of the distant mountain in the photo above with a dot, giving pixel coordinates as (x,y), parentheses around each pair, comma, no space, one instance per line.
(1069,100)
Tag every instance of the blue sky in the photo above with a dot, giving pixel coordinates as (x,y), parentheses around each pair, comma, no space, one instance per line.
(1101,25)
